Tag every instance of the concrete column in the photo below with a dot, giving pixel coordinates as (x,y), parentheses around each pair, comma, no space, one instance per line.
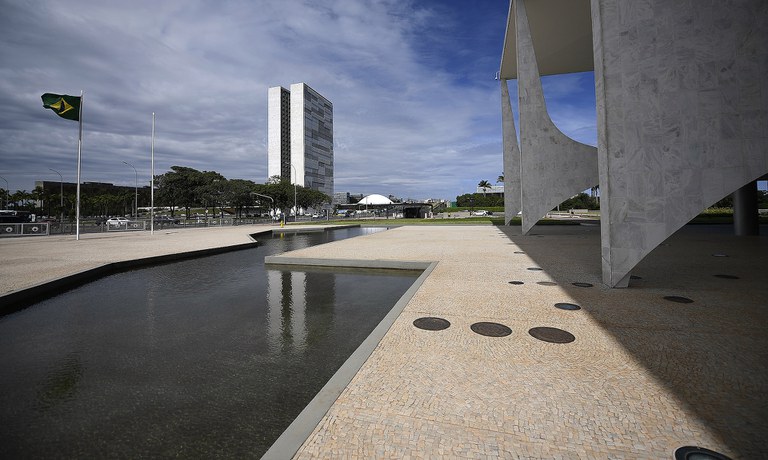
(682,109)
(554,167)
(511,157)
(745,217)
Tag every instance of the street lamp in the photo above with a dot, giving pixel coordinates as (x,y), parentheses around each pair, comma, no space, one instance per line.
(61,196)
(136,192)
(295,208)
(6,191)
(265,196)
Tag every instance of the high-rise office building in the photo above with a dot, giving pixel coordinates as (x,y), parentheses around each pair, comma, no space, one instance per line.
(300,137)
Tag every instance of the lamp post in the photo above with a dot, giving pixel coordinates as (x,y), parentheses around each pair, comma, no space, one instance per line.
(266,196)
(295,207)
(136,192)
(6,191)
(61,196)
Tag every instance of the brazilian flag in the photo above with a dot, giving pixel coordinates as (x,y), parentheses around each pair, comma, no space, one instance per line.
(65,106)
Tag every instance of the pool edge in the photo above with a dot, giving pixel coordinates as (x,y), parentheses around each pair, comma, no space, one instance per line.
(291,440)
(18,300)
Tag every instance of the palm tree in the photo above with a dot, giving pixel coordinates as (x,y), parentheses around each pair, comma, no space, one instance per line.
(500,179)
(484,184)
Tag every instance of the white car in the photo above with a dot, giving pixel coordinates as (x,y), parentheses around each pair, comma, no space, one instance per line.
(481,213)
(117,221)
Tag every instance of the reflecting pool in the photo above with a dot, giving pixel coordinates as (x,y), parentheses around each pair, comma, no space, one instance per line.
(209,357)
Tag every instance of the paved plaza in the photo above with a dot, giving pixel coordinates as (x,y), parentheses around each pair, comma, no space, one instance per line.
(644,375)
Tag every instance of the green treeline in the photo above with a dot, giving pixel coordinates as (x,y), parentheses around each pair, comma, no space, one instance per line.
(181,187)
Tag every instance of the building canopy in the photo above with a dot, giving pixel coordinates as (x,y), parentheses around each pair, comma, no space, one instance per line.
(561,31)
(375,199)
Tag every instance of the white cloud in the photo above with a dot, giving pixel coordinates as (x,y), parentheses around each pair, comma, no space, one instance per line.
(416,109)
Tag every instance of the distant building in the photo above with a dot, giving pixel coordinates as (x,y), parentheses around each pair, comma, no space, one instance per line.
(300,137)
(54,187)
(340,198)
(492,190)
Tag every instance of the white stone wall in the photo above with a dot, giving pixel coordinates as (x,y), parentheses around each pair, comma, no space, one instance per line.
(682,105)
(553,167)
(297,133)
(511,157)
(273,131)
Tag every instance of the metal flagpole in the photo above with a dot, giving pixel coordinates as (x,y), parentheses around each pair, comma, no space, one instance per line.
(152,181)
(79,149)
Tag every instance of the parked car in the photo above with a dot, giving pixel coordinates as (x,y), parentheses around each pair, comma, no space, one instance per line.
(166,220)
(117,221)
(481,213)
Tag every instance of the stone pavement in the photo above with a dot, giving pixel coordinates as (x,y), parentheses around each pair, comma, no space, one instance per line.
(30,261)
(643,377)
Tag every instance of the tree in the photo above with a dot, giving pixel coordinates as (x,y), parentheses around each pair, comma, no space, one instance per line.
(479,200)
(209,189)
(237,194)
(308,198)
(179,187)
(580,201)
(500,179)
(484,184)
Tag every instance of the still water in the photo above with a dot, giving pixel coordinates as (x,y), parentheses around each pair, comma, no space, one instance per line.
(210,357)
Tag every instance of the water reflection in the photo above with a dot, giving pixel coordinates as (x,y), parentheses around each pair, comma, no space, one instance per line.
(288,297)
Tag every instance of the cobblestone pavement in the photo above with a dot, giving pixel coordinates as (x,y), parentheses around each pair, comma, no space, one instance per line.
(643,377)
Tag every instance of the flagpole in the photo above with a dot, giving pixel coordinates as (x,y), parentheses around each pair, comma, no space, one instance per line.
(79,149)
(152,181)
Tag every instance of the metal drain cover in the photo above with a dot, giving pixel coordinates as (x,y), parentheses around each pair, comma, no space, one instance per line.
(552,335)
(583,284)
(678,299)
(567,306)
(727,277)
(547,283)
(491,329)
(698,453)
(516,282)
(432,324)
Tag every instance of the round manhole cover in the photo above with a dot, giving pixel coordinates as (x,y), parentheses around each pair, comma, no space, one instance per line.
(432,324)
(567,306)
(698,453)
(516,282)
(727,277)
(547,283)
(552,335)
(535,268)
(491,329)
(583,284)
(678,299)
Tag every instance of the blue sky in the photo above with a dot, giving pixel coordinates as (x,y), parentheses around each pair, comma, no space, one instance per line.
(416,106)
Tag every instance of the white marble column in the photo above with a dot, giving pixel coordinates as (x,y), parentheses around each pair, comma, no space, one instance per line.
(511,157)
(682,108)
(554,167)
